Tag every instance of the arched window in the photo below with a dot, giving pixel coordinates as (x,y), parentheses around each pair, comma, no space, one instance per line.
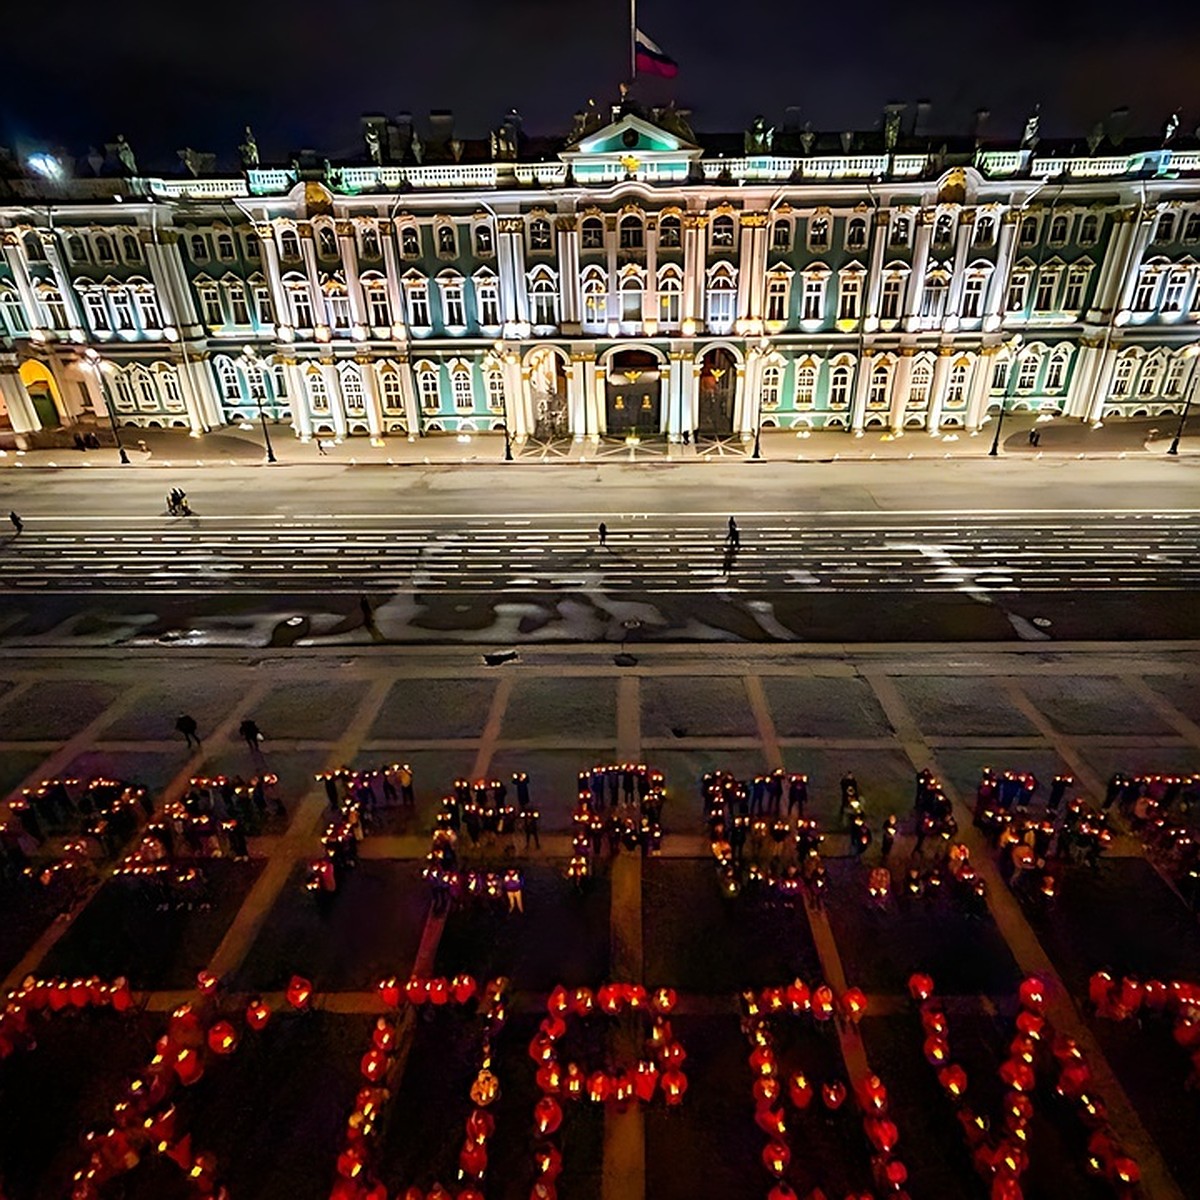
(104,249)
(1166,228)
(669,232)
(318,393)
(144,389)
(427,386)
(410,241)
(494,382)
(933,298)
(34,250)
(919,383)
(1150,377)
(169,389)
(591,234)
(77,249)
(943,231)
(818,233)
(379,309)
(352,390)
(877,393)
(53,306)
(543,298)
(631,233)
(231,390)
(781,235)
(463,387)
(226,251)
(289,244)
(301,301)
(670,297)
(487,299)
(856,234)
(595,299)
(985,230)
(839,387)
(539,235)
(722,295)
(13,311)
(900,231)
(1059,228)
(806,385)
(956,385)
(447,243)
(197,244)
(772,383)
(483,241)
(96,308)
(1123,376)
(131,249)
(326,242)
(370,244)
(1056,370)
(1089,230)
(391,389)
(1029,231)
(722,232)
(631,297)
(1028,372)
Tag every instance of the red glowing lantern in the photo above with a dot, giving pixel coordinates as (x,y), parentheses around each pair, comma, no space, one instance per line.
(1032,993)
(673,1054)
(390,992)
(258,1013)
(549,1079)
(480,1125)
(775,1158)
(181,1152)
(439,992)
(548,1160)
(559,1001)
(895,1174)
(473,1159)
(350,1163)
(582,1001)
(771,1121)
(1125,1170)
(822,1002)
(383,1036)
(416,991)
(853,1003)
(798,996)
(882,1134)
(635,995)
(762,1060)
(674,1087)
(800,1091)
(1019,1111)
(599,1087)
(766,1091)
(608,997)
(663,1000)
(184,1028)
(547,1116)
(222,1038)
(78,993)
(782,1191)
(937,1050)
(463,988)
(1030,1024)
(1017,1075)
(188,1067)
(299,993)
(833,1094)
(872,1094)
(120,995)
(933,1020)
(541,1048)
(645,1081)
(374,1065)
(953,1080)
(920,987)
(207,983)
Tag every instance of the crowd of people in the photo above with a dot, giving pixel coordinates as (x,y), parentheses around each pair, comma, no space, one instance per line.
(1163,810)
(618,806)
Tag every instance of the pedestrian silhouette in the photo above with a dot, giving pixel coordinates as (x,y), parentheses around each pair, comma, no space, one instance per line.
(603,531)
(250,731)
(187,726)
(17,523)
(734,536)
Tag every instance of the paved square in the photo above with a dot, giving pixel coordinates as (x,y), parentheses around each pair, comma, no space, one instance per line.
(825,707)
(696,706)
(433,709)
(958,706)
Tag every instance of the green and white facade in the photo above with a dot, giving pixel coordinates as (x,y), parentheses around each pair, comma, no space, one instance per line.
(634,281)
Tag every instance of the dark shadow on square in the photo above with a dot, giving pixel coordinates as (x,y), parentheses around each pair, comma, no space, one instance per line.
(308,711)
(959,706)
(1091,704)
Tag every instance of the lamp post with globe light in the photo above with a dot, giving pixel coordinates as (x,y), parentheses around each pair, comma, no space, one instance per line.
(95,363)
(252,364)
(1014,344)
(1191,352)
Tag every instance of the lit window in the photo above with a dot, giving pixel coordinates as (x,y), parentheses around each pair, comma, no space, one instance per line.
(453,309)
(210,302)
(410,242)
(1072,299)
(483,241)
(225,248)
(495,390)
(856,234)
(417,293)
(1089,230)
(487,295)
(972,297)
(818,233)
(1173,292)
(238,305)
(393,391)
(122,308)
(889,301)
(814,297)
(1122,376)
(427,385)
(933,297)
(985,231)
(1055,372)
(352,391)
(289,244)
(806,386)
(631,233)
(446,241)
(777,298)
(464,390)
(318,394)
(1047,286)
(631,298)
(669,233)
(378,307)
(722,232)
(943,231)
(839,387)
(104,249)
(772,382)
(543,300)
(302,310)
(539,235)
(1147,287)
(721,301)
(592,234)
(1149,379)
(900,231)
(956,387)
(781,235)
(326,242)
(262,301)
(877,392)
(1018,287)
(848,297)
(670,298)
(595,300)
(1027,375)
(919,383)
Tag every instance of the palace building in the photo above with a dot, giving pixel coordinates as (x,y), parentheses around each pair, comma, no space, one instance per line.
(631,278)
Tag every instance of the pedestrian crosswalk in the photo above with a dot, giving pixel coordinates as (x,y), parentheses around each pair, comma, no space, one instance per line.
(831,553)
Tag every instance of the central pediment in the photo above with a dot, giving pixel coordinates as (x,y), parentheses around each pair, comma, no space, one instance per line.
(631,135)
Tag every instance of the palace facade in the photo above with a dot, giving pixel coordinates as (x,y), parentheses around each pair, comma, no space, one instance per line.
(633,279)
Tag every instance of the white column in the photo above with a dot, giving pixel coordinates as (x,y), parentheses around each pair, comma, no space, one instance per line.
(650,295)
(937,393)
(610,264)
(1083,379)
(691,394)
(178,290)
(693,269)
(408,391)
(993,308)
(875,278)
(516,397)
(980,387)
(394,292)
(333,387)
(301,418)
(354,292)
(966,230)
(14,255)
(204,407)
(901,379)
(747,394)
(567,235)
(920,260)
(599,423)
(63,278)
(1106,363)
(21,413)
(1130,267)
(308,254)
(514,297)
(862,384)
(366,369)
(577,405)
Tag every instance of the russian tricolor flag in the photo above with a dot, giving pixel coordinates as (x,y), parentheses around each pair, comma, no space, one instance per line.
(651,60)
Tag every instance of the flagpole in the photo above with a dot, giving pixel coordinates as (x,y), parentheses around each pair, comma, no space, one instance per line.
(632,40)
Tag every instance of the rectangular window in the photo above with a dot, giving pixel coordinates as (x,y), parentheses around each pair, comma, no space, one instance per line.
(848,298)
(241,310)
(418,307)
(302,308)
(1000,375)
(339,311)
(668,308)
(380,309)
(1027,376)
(1173,386)
(1173,293)
(464,392)
(393,391)
(1072,299)
(972,298)
(806,386)
(720,308)
(1143,298)
(777,294)
(889,303)
(452,301)
(122,311)
(266,311)
(839,388)
(495,390)
(1047,286)
(814,298)
(631,305)
(489,304)
(427,384)
(147,304)
(97,311)
(1016,293)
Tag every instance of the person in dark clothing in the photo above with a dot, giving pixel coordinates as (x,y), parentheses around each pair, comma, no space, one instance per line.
(603,533)
(251,733)
(17,523)
(187,726)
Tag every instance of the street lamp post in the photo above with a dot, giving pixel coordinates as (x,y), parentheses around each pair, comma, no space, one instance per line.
(508,454)
(1192,352)
(251,357)
(95,362)
(1014,345)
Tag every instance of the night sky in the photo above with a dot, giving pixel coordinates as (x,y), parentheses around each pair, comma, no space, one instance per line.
(302,72)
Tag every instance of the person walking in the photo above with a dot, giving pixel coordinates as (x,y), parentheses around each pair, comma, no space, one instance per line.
(187,726)
(251,733)
(734,536)
(17,523)
(602,531)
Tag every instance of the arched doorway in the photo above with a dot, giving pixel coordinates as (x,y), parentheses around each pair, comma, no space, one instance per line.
(548,394)
(718,387)
(633,394)
(43,392)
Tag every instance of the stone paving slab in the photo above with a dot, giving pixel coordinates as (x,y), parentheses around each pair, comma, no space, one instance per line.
(683,770)
(961,706)
(696,706)
(713,945)
(1091,704)
(207,696)
(429,709)
(562,937)
(964,767)
(54,709)
(1142,760)
(370,928)
(824,706)
(69,1082)
(881,949)
(580,708)
(120,932)
(1183,691)
(303,710)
